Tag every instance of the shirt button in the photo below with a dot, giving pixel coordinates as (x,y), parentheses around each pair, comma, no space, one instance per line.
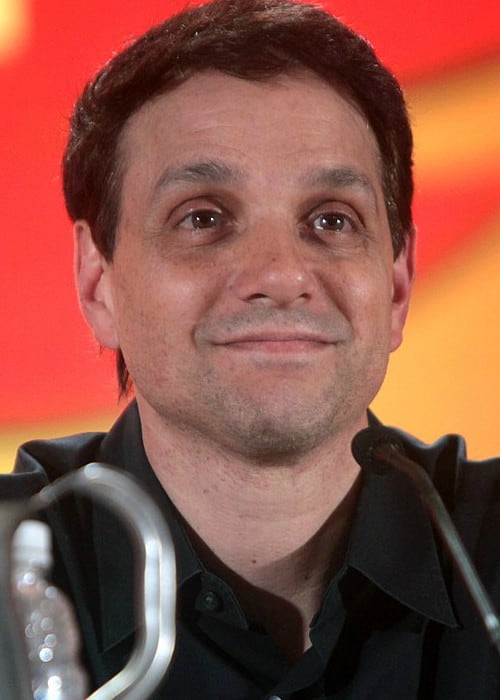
(211,601)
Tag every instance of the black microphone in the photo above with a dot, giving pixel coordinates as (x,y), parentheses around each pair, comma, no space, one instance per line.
(379,449)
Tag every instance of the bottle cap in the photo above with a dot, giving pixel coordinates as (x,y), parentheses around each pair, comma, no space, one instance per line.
(32,544)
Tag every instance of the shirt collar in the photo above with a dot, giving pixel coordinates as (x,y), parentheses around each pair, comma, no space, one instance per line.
(123,447)
(392,543)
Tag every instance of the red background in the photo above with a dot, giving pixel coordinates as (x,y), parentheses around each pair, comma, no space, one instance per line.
(50,368)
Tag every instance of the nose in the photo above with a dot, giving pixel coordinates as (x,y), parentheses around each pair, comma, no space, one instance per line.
(273,270)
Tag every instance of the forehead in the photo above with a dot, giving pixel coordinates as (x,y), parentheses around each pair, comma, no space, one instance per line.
(289,122)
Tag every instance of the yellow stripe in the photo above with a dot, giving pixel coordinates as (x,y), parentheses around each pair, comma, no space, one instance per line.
(14,26)
(446,376)
(17,434)
(456,122)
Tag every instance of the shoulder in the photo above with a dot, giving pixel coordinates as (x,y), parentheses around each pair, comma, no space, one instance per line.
(39,462)
(470,490)
(446,460)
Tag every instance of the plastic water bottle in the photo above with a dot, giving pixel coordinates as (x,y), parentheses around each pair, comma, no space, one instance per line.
(51,634)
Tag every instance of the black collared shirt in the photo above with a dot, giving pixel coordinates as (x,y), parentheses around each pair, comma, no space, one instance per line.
(394,622)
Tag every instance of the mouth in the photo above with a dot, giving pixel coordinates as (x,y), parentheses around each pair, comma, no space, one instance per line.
(278,342)
(294,335)
(290,346)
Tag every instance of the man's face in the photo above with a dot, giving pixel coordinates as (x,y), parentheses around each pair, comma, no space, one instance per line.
(253,290)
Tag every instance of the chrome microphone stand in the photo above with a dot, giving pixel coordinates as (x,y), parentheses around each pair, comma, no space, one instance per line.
(156,585)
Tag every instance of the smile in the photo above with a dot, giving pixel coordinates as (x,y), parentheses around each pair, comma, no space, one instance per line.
(288,344)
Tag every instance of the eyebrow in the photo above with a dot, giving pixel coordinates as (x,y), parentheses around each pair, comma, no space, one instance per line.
(201,172)
(214,171)
(341,177)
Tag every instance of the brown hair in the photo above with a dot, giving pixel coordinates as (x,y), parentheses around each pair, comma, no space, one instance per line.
(250,39)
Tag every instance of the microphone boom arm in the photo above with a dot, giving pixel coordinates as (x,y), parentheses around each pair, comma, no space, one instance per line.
(389,452)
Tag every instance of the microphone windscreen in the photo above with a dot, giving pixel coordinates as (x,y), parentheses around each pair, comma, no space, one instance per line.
(367,440)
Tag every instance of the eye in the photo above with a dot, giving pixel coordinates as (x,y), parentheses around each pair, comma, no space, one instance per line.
(202,220)
(334,221)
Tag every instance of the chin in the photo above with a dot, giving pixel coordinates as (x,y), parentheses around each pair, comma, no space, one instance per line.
(279,439)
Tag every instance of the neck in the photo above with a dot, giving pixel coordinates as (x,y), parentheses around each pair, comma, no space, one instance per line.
(276,533)
(282,587)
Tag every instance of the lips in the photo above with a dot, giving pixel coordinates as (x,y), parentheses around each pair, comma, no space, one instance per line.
(282,347)
(277,342)
(273,329)
(278,338)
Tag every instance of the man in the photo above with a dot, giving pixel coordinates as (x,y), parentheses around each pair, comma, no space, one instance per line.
(240,181)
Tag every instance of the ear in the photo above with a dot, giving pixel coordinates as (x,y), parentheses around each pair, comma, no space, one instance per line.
(403,274)
(94,284)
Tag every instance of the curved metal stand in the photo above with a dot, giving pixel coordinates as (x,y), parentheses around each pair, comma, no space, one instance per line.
(156,588)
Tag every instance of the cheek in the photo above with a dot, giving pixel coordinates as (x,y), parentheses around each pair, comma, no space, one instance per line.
(363,294)
(161,308)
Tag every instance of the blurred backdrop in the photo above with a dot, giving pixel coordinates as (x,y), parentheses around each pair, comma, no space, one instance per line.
(446,377)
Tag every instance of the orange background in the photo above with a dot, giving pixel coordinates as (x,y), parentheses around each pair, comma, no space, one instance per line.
(445,378)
